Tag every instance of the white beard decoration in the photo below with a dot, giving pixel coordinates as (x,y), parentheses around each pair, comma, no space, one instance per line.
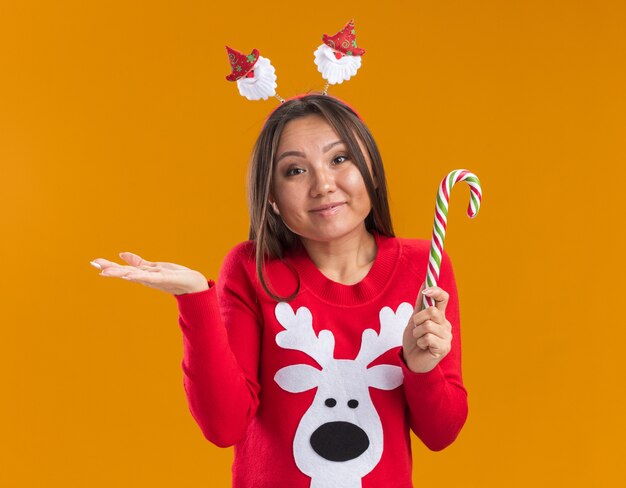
(262,85)
(336,70)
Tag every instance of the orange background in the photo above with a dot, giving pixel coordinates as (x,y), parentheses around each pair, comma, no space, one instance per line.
(119,132)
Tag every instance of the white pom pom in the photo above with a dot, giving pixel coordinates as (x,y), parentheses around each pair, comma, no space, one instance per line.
(262,85)
(335,70)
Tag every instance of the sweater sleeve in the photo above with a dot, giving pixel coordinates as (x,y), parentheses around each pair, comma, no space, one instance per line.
(437,400)
(221,338)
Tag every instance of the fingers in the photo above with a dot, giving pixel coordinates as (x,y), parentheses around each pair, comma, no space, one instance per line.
(145,277)
(440,297)
(437,346)
(101,263)
(111,269)
(138,269)
(429,327)
(119,271)
(433,335)
(430,313)
(136,260)
(116,271)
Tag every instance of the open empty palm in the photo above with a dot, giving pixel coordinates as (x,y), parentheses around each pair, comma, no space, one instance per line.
(168,277)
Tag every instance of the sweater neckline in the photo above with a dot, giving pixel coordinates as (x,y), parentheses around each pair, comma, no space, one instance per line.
(372,285)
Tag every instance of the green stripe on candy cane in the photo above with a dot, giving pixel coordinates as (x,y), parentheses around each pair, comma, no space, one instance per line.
(441,221)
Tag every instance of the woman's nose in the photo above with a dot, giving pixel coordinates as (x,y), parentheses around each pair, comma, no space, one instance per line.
(323,182)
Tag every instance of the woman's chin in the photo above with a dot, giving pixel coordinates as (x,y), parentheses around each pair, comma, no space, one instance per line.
(330,234)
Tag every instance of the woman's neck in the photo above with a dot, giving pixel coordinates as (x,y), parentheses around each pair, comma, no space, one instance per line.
(346,260)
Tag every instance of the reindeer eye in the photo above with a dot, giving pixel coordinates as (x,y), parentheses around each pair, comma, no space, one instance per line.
(330,402)
(353,403)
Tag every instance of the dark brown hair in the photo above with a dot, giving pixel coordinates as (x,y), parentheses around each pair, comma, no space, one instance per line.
(272,237)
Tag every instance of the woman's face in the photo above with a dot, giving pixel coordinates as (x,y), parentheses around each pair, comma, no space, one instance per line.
(319,191)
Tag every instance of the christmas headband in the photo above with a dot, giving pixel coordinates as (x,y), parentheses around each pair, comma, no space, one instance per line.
(337,59)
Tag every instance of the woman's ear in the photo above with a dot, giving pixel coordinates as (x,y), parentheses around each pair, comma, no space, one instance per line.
(273,205)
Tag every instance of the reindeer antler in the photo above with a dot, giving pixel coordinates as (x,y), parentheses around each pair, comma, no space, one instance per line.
(300,336)
(392,327)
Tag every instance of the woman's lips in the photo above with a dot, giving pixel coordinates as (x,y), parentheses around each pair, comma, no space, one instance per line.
(330,209)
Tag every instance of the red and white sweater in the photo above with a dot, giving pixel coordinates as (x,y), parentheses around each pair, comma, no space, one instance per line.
(305,396)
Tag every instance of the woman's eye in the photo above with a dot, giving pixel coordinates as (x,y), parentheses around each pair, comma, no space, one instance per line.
(340,159)
(294,171)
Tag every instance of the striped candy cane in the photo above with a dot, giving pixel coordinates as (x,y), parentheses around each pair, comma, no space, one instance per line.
(441,221)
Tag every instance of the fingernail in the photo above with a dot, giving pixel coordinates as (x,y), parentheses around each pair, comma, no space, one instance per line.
(126,277)
(95,265)
(427,291)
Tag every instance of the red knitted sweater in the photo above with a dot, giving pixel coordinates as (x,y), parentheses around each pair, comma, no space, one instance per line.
(307,397)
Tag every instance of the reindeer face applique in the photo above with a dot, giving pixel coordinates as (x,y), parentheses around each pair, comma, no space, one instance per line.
(340,437)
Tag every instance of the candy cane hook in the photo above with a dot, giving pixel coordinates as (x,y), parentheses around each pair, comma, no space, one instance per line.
(441,221)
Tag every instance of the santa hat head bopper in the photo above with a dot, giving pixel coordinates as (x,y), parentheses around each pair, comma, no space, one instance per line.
(254,74)
(337,59)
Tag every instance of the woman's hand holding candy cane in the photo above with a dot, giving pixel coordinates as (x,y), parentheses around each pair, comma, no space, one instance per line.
(428,336)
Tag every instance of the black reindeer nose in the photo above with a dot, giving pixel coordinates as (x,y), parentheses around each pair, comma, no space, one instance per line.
(339,441)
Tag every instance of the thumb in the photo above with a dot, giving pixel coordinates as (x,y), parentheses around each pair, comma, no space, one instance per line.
(419,302)
(134,260)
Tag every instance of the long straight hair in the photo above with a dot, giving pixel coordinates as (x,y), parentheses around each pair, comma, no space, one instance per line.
(272,236)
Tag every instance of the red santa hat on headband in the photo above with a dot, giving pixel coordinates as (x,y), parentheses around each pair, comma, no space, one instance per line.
(344,41)
(339,58)
(241,64)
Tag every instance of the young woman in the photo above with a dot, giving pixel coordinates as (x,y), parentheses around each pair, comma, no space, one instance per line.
(312,354)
